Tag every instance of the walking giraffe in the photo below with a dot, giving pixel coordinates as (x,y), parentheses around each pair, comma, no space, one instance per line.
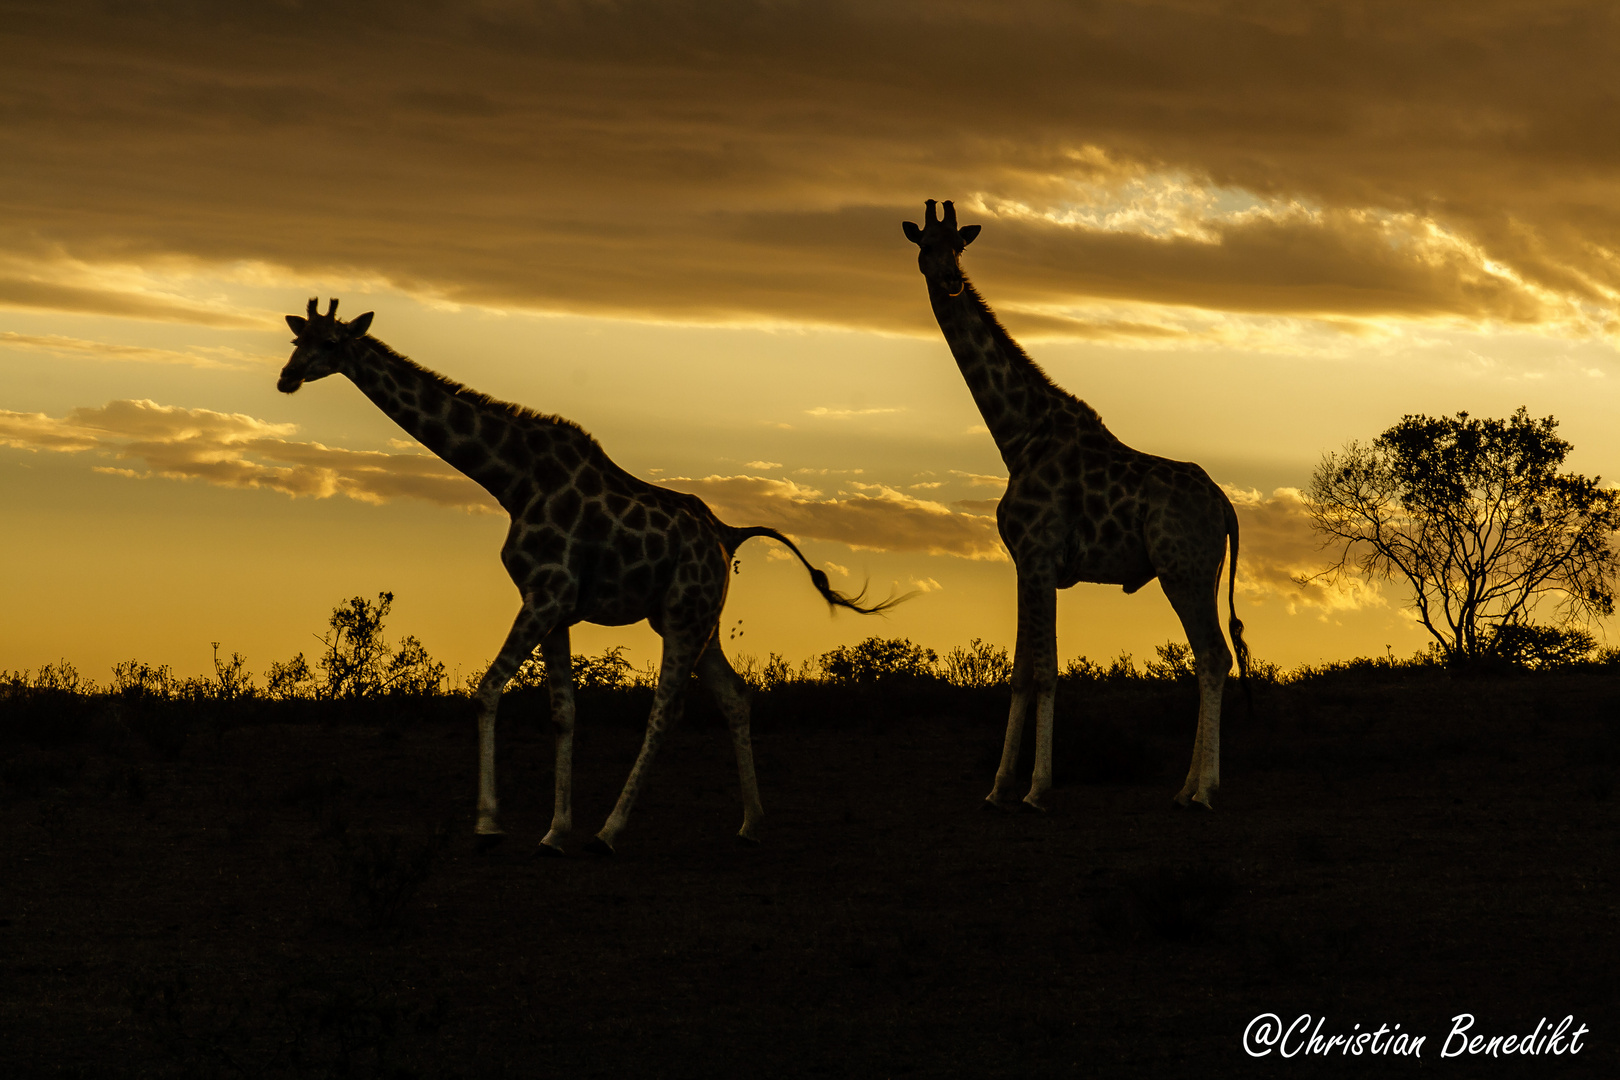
(1082,506)
(588,543)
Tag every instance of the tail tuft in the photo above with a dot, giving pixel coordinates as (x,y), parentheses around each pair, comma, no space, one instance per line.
(1234,624)
(818,578)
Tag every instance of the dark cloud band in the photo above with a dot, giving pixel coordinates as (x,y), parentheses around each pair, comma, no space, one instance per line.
(750,161)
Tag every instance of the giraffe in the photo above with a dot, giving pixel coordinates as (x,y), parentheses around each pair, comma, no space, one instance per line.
(1082,506)
(588,543)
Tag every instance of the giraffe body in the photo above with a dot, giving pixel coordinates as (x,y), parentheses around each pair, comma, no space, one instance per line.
(1082,506)
(589,542)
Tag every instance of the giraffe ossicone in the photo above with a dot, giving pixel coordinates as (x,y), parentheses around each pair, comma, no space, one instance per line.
(589,542)
(1082,506)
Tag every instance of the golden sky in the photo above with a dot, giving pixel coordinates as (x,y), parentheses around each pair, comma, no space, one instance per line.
(1244,232)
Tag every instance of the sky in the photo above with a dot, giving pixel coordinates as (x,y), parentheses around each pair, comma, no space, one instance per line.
(1245,232)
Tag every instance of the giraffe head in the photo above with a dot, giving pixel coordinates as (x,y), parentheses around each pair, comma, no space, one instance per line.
(321,342)
(942,242)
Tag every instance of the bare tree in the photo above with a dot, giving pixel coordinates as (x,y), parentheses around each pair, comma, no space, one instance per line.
(1477,519)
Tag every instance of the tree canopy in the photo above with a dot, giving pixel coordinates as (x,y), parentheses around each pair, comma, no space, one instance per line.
(1476,517)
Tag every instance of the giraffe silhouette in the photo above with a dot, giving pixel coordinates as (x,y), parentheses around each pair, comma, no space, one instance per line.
(588,543)
(1082,506)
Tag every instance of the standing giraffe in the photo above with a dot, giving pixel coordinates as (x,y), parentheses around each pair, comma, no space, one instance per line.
(588,543)
(1082,506)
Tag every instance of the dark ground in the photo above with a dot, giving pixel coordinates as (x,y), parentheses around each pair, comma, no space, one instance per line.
(195,890)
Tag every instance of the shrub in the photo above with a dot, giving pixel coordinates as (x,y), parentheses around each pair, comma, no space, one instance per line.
(1539,647)
(1082,669)
(978,665)
(232,679)
(412,671)
(62,676)
(358,662)
(1176,661)
(135,681)
(610,671)
(773,674)
(877,660)
(291,681)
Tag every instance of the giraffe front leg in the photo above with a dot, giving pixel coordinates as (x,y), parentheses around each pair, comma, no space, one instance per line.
(489,701)
(1037,607)
(1041,781)
(1042,604)
(556,650)
(1000,796)
(526,632)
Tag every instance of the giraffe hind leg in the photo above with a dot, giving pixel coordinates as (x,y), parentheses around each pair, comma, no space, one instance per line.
(680,653)
(731,694)
(556,650)
(1200,618)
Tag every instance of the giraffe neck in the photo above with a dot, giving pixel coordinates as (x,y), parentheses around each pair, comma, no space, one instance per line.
(1012,392)
(465,428)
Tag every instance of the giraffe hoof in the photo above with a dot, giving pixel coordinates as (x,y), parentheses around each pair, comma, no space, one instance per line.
(599,846)
(1032,806)
(744,840)
(992,803)
(547,851)
(487,842)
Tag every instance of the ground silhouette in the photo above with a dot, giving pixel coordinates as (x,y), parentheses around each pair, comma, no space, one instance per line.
(292,889)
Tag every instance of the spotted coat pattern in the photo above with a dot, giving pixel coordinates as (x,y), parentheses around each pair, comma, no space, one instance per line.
(588,542)
(1081,506)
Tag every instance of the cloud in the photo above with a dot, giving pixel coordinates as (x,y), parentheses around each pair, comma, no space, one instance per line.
(235,450)
(146,439)
(217,357)
(751,162)
(1347,262)
(1279,554)
(824,413)
(764,464)
(49,279)
(980,479)
(47,292)
(886,520)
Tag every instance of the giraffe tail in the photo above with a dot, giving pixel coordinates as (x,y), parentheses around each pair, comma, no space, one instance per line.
(818,578)
(1235,625)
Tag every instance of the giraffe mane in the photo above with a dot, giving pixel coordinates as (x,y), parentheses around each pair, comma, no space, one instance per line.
(1004,341)
(476,397)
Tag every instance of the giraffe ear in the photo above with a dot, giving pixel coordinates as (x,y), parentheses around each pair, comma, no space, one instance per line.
(966,234)
(360,323)
(913,233)
(297,322)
